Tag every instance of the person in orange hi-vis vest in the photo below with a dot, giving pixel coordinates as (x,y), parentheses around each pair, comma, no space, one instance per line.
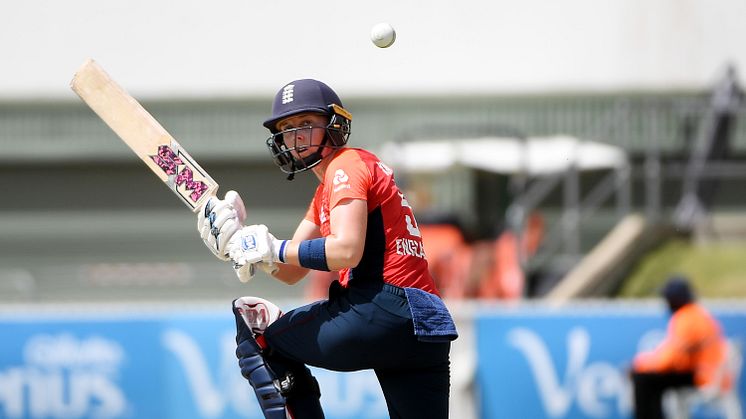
(691,355)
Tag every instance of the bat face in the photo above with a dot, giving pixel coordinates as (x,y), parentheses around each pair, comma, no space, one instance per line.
(144,135)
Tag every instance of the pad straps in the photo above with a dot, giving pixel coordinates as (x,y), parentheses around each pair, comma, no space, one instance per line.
(255,369)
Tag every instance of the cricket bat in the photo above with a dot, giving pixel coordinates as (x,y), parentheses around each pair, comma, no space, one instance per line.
(144,135)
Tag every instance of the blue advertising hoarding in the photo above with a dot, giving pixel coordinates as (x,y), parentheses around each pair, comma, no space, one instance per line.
(157,365)
(532,362)
(538,362)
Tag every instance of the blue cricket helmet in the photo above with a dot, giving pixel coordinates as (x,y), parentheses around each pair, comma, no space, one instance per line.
(304,95)
(300,96)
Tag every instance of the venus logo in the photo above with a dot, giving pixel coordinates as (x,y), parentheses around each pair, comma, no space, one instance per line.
(598,388)
(217,389)
(62,375)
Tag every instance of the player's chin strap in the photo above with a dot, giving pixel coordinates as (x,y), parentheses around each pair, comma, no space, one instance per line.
(314,158)
(270,392)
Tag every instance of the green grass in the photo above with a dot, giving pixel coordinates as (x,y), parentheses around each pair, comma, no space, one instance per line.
(716,271)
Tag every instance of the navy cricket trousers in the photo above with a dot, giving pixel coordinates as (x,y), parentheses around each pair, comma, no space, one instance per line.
(361,328)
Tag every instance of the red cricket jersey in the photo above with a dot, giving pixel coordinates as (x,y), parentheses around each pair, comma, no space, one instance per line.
(393,246)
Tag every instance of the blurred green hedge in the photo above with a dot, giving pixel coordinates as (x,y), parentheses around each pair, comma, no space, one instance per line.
(716,270)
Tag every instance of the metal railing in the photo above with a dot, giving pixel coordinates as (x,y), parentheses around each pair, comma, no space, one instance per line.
(707,160)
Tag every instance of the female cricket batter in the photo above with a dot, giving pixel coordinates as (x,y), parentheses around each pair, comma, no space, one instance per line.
(384,313)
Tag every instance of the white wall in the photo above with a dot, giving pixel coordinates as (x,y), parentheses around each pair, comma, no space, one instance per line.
(232,47)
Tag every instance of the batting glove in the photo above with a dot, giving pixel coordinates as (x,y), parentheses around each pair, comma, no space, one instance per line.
(253,244)
(218,220)
(245,273)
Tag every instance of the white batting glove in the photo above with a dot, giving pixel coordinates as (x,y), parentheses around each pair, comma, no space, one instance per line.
(245,273)
(218,220)
(253,244)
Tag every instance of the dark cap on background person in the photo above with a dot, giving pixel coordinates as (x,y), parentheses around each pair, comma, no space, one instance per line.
(678,292)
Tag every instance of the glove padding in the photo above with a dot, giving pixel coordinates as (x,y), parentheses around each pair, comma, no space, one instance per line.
(245,273)
(253,244)
(218,220)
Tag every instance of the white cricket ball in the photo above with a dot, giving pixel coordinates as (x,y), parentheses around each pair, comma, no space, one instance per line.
(382,35)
